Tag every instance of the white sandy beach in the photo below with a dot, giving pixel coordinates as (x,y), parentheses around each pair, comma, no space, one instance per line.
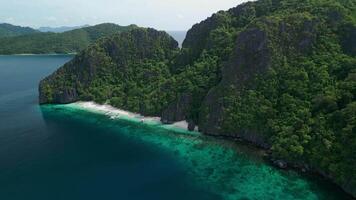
(116,113)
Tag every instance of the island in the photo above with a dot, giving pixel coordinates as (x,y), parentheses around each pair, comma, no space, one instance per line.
(278,74)
(29,41)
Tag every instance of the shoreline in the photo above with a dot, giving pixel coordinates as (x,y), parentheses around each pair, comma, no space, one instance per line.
(108,111)
(116,113)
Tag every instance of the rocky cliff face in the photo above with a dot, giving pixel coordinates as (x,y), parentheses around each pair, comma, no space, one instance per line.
(61,97)
(349,39)
(254,54)
(123,63)
(250,57)
(266,52)
(177,110)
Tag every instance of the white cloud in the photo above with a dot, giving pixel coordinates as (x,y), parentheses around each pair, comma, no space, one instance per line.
(51,19)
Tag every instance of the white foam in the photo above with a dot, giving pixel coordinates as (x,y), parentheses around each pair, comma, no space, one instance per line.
(181,124)
(116,113)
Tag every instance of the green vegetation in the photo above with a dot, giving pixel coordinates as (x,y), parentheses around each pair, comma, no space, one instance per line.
(278,71)
(67,42)
(8,30)
(125,70)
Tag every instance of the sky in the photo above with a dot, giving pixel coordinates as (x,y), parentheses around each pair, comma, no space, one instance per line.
(159,14)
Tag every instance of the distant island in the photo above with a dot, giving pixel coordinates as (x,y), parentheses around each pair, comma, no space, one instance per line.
(278,74)
(58,43)
(9,30)
(59,40)
(60,29)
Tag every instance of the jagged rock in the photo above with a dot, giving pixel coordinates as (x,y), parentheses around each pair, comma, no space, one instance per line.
(307,36)
(254,138)
(250,57)
(67,96)
(77,79)
(177,111)
(280,163)
(191,125)
(59,97)
(349,39)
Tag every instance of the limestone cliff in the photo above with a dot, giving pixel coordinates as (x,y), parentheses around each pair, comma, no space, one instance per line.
(115,69)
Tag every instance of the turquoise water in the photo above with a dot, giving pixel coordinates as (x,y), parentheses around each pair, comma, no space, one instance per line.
(65,152)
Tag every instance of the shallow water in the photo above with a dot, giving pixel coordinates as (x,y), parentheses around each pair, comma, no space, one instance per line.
(65,152)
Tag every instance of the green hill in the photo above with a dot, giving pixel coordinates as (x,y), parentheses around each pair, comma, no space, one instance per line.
(280,74)
(67,42)
(8,30)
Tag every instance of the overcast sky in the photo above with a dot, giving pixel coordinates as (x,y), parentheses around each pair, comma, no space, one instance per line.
(160,14)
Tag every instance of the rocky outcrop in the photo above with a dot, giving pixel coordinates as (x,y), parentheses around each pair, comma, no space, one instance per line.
(191,125)
(250,57)
(177,110)
(349,39)
(110,61)
(280,164)
(60,97)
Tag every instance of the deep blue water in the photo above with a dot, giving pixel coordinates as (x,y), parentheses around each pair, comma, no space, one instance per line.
(59,152)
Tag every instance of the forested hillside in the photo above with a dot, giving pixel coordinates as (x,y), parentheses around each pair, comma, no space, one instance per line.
(67,42)
(8,30)
(278,73)
(125,69)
